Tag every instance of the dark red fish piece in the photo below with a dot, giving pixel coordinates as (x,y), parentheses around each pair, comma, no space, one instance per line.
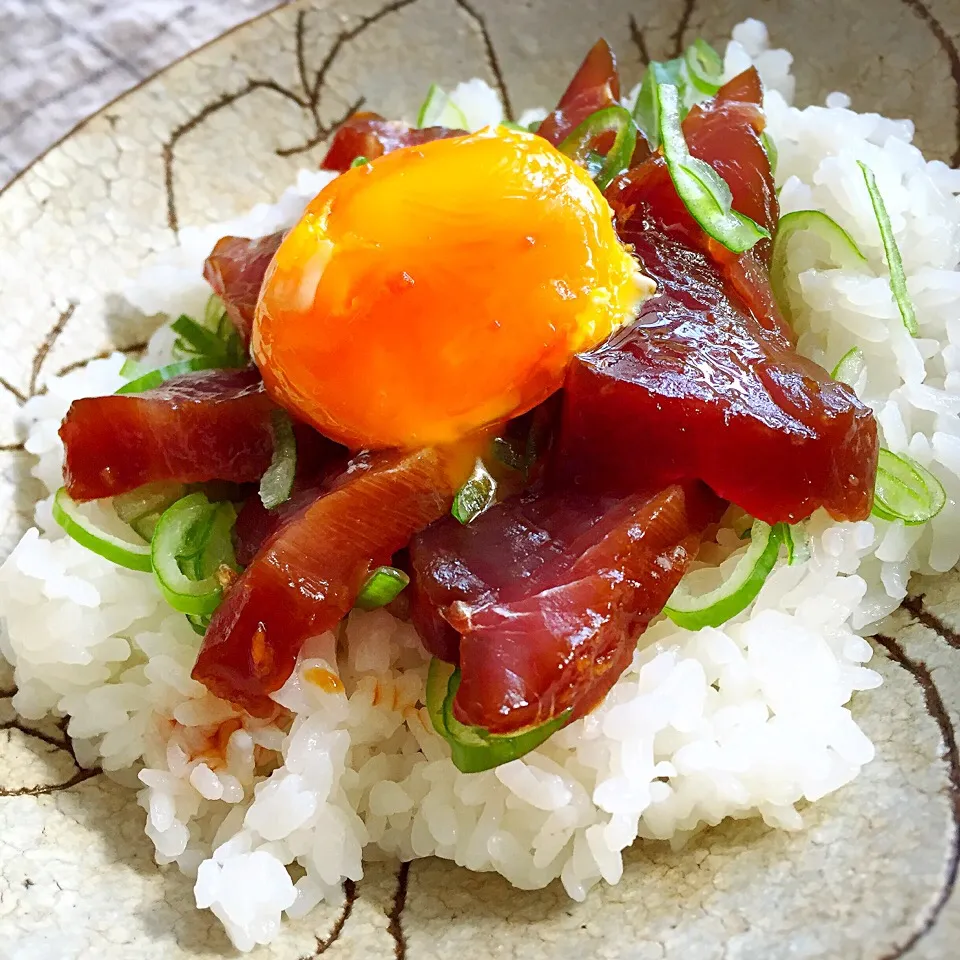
(707,384)
(595,85)
(699,388)
(724,132)
(369,135)
(235,270)
(213,425)
(541,599)
(307,575)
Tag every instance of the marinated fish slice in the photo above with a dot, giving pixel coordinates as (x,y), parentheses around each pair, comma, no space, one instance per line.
(698,388)
(724,132)
(368,135)
(235,270)
(707,383)
(307,576)
(595,85)
(213,425)
(548,593)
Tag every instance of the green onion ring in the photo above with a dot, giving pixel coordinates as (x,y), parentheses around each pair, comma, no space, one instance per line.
(155,377)
(906,491)
(737,592)
(770,149)
(849,367)
(191,542)
(703,191)
(704,67)
(66,511)
(474,749)
(383,585)
(615,120)
(477,494)
(646,111)
(143,507)
(439,110)
(844,252)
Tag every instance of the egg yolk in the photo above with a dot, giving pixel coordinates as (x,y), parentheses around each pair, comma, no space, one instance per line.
(439,289)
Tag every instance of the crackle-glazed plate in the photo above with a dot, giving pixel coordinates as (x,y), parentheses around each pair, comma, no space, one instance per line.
(871,877)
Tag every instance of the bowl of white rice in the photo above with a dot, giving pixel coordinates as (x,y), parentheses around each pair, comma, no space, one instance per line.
(786,785)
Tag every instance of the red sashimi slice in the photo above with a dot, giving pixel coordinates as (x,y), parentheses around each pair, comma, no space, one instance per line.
(595,85)
(724,132)
(698,388)
(707,384)
(213,425)
(369,135)
(544,596)
(235,270)
(307,575)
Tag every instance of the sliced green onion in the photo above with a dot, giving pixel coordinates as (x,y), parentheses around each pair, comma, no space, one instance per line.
(359,161)
(476,495)
(770,149)
(438,677)
(192,550)
(220,347)
(843,250)
(382,586)
(849,367)
(155,377)
(191,543)
(906,491)
(703,191)
(508,454)
(898,279)
(68,513)
(277,482)
(474,749)
(198,624)
(737,592)
(214,312)
(132,369)
(646,111)
(143,507)
(797,543)
(519,127)
(438,110)
(704,67)
(616,120)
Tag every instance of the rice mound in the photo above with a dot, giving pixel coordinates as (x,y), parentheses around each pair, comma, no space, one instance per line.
(741,721)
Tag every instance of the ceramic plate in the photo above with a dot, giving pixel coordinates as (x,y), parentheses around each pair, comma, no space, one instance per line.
(873,873)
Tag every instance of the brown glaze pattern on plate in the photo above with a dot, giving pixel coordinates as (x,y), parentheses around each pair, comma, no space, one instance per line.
(873,875)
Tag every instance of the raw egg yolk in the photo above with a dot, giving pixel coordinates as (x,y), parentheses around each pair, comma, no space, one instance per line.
(439,289)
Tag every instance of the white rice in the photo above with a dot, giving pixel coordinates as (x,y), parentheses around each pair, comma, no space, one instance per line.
(742,721)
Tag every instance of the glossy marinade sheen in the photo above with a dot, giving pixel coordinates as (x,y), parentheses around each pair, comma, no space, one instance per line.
(541,599)
(698,388)
(306,576)
(707,383)
(235,271)
(213,425)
